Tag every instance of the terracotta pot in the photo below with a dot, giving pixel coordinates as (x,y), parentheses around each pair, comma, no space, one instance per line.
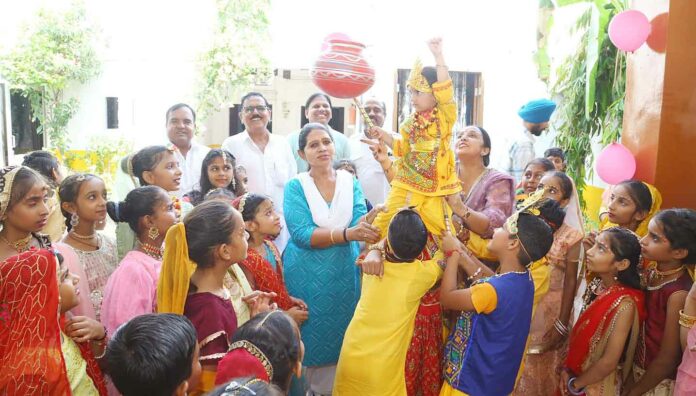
(341,71)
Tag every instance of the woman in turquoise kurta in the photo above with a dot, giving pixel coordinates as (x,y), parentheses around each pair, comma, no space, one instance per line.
(326,215)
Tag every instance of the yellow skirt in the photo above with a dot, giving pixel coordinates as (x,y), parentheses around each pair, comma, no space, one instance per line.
(431,209)
(447,390)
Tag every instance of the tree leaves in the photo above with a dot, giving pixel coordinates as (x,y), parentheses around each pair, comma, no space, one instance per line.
(55,50)
(591,86)
(236,59)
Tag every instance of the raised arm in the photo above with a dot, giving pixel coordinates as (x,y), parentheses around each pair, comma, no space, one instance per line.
(435,45)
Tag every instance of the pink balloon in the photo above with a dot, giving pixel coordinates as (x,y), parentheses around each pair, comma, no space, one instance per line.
(333,36)
(615,164)
(629,30)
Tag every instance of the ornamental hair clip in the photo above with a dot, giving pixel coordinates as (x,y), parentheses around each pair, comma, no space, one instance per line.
(529,205)
(242,201)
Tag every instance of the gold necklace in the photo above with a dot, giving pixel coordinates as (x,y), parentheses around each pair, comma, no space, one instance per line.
(84,242)
(663,274)
(20,246)
(80,236)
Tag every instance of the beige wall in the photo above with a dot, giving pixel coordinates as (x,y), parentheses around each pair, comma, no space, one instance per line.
(287,97)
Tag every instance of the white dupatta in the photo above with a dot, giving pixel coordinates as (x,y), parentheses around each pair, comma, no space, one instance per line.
(340,212)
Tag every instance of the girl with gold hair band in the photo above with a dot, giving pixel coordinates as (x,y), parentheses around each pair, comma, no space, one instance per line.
(23,210)
(485,349)
(197,257)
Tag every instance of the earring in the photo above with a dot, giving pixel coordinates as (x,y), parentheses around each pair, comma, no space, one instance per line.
(74,220)
(153,233)
(234,184)
(616,278)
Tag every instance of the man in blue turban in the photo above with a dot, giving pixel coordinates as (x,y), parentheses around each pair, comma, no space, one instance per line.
(535,118)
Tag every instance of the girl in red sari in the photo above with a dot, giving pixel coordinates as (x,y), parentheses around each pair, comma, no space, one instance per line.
(40,353)
(603,341)
(263,266)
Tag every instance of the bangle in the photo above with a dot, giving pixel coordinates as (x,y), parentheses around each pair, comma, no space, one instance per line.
(345,235)
(467,212)
(449,253)
(560,328)
(571,388)
(686,321)
(441,65)
(380,247)
(478,271)
(331,235)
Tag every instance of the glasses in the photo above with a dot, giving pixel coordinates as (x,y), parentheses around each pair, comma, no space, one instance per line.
(259,109)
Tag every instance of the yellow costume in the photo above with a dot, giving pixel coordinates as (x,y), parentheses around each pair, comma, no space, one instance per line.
(374,349)
(76,367)
(425,172)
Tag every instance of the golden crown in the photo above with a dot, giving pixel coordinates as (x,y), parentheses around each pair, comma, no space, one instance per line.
(416,80)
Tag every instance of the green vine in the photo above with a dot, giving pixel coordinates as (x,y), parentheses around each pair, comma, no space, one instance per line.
(56,49)
(237,58)
(590,85)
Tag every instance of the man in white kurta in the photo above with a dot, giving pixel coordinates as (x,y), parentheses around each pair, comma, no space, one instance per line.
(181,122)
(266,157)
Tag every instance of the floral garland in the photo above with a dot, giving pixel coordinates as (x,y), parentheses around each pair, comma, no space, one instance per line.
(419,123)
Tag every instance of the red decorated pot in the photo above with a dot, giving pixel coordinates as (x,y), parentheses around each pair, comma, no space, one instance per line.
(341,71)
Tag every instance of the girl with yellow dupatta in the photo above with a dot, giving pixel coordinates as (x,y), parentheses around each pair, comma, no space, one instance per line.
(197,256)
(603,341)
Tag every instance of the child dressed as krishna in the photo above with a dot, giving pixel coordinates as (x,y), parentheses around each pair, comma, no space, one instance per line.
(425,173)
(423,177)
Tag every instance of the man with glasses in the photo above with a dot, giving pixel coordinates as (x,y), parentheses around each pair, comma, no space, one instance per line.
(181,123)
(267,158)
